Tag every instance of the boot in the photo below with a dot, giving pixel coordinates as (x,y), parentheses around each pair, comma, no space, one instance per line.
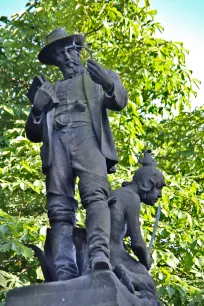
(98,233)
(63,251)
(94,192)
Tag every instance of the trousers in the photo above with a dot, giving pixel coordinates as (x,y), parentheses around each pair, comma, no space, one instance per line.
(76,153)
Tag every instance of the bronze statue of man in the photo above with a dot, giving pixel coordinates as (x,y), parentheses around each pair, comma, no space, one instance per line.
(77,142)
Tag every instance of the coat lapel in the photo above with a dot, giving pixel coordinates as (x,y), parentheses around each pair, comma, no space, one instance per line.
(94,99)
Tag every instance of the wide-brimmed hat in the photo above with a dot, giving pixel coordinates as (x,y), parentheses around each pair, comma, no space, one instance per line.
(58,37)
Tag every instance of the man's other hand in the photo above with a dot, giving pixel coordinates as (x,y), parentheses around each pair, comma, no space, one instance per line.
(43,96)
(99,75)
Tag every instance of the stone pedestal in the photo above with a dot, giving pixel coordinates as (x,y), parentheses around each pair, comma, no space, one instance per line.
(101,288)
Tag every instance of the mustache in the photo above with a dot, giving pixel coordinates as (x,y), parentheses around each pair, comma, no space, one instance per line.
(71,63)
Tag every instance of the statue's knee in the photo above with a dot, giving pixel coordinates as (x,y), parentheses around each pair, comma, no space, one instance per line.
(61,209)
(93,188)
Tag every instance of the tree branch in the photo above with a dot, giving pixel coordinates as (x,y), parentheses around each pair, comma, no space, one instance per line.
(95,30)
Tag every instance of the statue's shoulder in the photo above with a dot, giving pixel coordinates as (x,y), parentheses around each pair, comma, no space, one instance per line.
(132,197)
(126,196)
(56,84)
(112,73)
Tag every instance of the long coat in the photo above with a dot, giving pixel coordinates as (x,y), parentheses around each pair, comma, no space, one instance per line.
(98,103)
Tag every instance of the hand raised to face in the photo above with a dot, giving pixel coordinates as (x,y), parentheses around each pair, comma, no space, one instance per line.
(99,75)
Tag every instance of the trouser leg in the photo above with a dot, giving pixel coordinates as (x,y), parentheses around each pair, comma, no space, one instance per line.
(90,166)
(61,204)
(62,221)
(94,192)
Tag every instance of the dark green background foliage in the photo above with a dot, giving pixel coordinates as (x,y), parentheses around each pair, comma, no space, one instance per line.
(124,37)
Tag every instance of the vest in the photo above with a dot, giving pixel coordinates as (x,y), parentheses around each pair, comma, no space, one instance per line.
(72,105)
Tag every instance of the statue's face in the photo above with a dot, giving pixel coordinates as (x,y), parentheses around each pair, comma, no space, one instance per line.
(153,195)
(67,59)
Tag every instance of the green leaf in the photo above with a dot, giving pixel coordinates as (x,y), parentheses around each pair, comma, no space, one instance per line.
(5,247)
(3,282)
(188,262)
(170,291)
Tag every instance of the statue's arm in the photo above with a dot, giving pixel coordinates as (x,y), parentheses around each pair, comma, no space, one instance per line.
(34,127)
(117,98)
(133,223)
(44,100)
(115,95)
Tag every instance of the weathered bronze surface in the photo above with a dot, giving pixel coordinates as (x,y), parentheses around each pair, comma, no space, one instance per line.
(89,266)
(70,119)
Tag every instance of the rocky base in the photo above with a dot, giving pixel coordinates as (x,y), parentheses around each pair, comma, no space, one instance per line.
(101,288)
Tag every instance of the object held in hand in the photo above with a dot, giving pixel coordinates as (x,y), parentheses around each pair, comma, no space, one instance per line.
(41,94)
(38,81)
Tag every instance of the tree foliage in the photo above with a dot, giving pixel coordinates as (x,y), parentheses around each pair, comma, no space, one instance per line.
(124,37)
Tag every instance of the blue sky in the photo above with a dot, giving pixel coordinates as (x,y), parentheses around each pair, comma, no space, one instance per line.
(183,20)
(9,7)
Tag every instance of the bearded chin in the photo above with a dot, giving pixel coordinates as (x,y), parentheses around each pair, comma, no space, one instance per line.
(71,68)
(74,66)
